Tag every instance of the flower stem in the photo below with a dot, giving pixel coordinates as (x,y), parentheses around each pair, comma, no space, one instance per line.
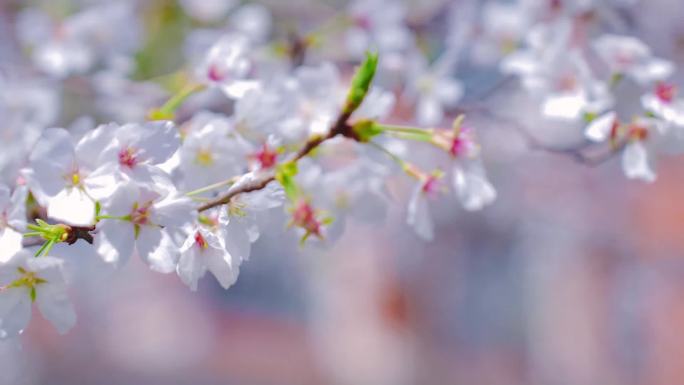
(213,186)
(168,110)
(406,132)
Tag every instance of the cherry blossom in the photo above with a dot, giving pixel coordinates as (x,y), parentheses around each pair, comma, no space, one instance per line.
(24,280)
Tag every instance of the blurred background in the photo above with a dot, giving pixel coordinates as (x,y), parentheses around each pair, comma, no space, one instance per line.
(573,276)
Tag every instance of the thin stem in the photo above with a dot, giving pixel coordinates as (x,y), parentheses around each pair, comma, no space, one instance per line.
(121,218)
(171,105)
(339,128)
(387,152)
(47,246)
(213,186)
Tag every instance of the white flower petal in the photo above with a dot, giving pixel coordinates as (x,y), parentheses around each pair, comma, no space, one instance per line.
(157,249)
(10,244)
(114,241)
(225,270)
(419,214)
(472,187)
(600,128)
(15,311)
(72,206)
(635,162)
(53,303)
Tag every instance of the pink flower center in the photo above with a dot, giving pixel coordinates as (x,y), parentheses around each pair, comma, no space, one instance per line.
(127,157)
(666,92)
(200,241)
(304,216)
(140,215)
(431,185)
(215,74)
(265,156)
(362,21)
(637,132)
(458,146)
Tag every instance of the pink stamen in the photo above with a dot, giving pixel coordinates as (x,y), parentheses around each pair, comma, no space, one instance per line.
(362,21)
(200,241)
(666,92)
(431,185)
(141,215)
(215,74)
(127,157)
(304,216)
(265,156)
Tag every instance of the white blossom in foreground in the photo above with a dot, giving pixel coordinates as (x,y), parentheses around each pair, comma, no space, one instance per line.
(24,280)
(203,251)
(138,219)
(61,174)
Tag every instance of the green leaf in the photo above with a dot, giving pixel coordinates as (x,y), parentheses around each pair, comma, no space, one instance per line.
(285,175)
(32,293)
(590,116)
(361,82)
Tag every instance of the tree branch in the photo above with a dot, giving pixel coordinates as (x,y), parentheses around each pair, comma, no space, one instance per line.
(341,127)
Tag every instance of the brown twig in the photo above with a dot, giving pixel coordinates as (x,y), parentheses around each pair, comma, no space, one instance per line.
(341,127)
(74,233)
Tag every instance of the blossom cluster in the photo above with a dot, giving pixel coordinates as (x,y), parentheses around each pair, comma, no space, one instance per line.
(257,126)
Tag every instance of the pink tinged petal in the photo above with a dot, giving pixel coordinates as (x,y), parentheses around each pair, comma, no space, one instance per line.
(600,129)
(472,187)
(157,249)
(10,244)
(72,206)
(419,214)
(52,161)
(635,162)
(53,303)
(114,241)
(15,311)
